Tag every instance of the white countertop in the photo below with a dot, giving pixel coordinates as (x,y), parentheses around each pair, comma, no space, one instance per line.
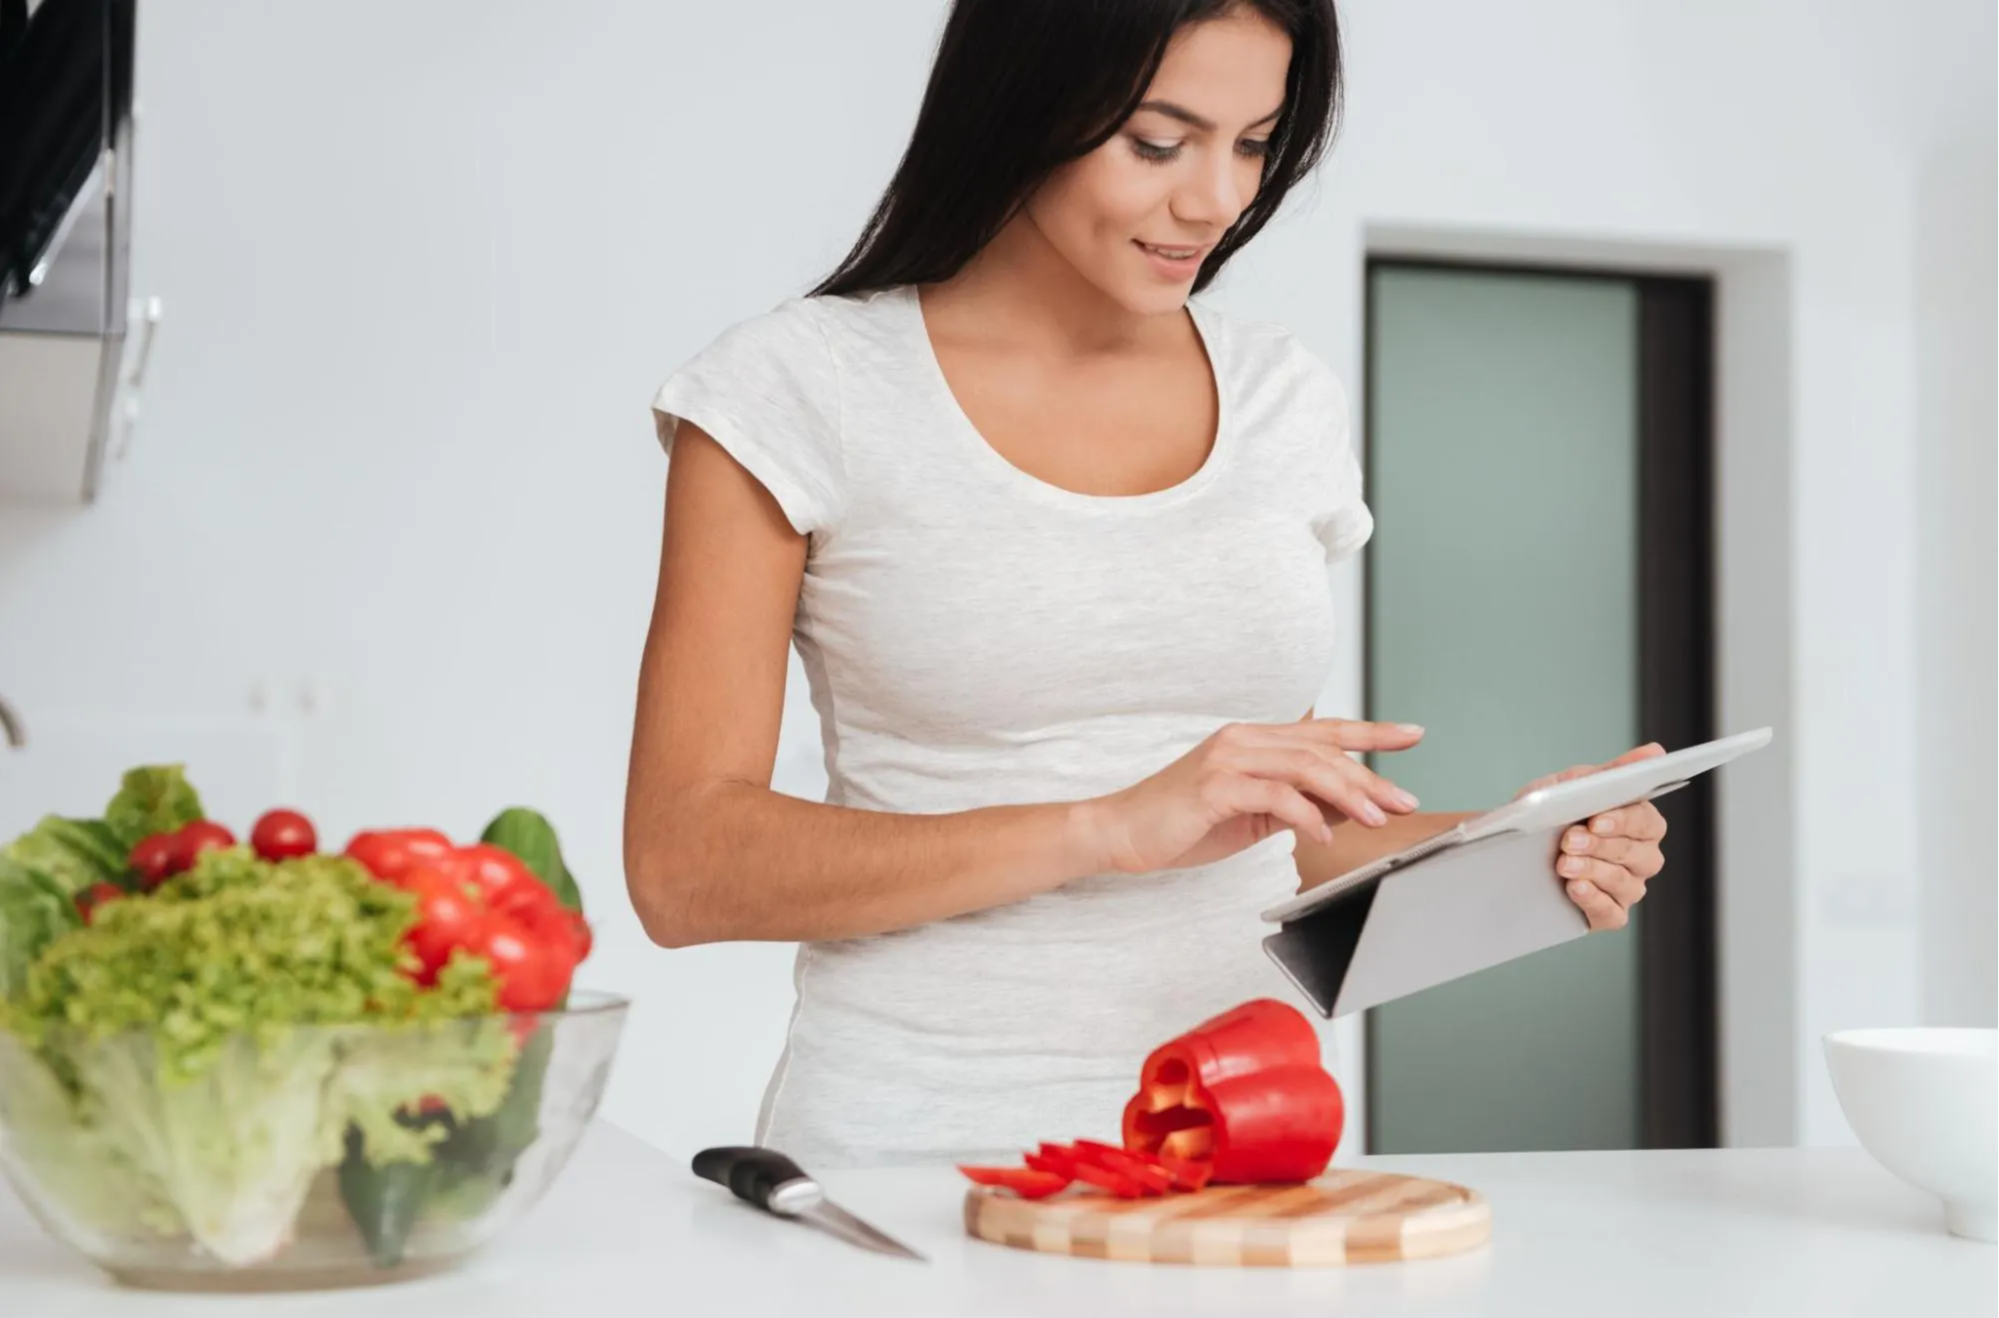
(1704,1233)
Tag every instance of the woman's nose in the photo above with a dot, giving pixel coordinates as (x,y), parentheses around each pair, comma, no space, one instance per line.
(1215,192)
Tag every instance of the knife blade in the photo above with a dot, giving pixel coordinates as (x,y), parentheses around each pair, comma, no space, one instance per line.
(777,1185)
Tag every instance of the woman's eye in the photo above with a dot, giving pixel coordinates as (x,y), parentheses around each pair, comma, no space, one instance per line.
(1156,151)
(1255,149)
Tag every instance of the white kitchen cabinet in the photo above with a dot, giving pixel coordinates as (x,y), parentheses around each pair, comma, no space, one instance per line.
(69,369)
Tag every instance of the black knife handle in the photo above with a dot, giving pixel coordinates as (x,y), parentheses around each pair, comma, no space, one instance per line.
(751,1173)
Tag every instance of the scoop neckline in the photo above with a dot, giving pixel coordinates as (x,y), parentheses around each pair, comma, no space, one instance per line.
(1207,329)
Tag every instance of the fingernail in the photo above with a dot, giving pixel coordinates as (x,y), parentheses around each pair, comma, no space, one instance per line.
(1372,813)
(1601,824)
(1578,890)
(1413,729)
(1572,865)
(1405,800)
(1326,833)
(1578,840)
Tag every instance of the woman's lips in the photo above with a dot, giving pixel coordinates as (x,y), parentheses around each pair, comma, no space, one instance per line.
(1173,266)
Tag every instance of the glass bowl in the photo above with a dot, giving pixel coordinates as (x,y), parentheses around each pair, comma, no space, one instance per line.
(307,1158)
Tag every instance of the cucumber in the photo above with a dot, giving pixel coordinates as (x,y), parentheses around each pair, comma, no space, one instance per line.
(384,1201)
(531,838)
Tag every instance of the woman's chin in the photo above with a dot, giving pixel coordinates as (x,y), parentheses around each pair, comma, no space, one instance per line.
(1150,296)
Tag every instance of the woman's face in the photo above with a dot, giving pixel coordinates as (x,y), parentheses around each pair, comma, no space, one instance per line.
(1137,216)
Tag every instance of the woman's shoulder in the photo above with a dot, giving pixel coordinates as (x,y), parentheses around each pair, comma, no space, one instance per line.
(834,325)
(1265,357)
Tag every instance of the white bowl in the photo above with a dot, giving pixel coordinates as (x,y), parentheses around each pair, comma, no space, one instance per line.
(1925,1102)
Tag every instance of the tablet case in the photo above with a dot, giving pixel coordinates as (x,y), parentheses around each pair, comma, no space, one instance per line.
(1423,924)
(1449,907)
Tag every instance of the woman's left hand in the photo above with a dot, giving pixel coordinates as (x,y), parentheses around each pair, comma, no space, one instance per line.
(1606,860)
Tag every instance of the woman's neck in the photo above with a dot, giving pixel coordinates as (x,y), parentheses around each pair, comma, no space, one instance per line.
(1020,292)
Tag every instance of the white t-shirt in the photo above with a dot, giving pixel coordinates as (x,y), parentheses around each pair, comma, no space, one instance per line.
(975,636)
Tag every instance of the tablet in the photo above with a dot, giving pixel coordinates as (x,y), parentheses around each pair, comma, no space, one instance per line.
(1470,897)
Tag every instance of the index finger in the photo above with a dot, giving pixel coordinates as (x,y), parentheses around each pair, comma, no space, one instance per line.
(1641,822)
(1356,735)
(1650,750)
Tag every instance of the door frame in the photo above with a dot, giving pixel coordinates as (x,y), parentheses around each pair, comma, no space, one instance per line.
(1679,1016)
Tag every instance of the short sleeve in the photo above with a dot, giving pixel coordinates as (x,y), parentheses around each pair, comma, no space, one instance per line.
(768,390)
(1340,516)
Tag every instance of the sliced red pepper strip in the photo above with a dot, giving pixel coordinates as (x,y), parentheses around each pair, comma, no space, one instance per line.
(1089,1166)
(1148,1175)
(1106,1179)
(1244,1093)
(1054,1166)
(1023,1181)
(1059,1157)
(1188,1175)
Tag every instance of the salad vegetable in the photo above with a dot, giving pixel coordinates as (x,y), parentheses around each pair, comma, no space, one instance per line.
(199,1034)
(192,1031)
(531,838)
(43,872)
(1245,1093)
(152,799)
(1241,1098)
(282,834)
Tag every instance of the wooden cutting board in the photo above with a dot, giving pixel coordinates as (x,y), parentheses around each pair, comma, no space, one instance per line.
(1343,1217)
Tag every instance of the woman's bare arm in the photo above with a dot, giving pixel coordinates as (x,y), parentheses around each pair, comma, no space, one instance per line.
(711,852)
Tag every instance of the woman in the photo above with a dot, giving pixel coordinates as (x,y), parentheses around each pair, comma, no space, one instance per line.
(1052,543)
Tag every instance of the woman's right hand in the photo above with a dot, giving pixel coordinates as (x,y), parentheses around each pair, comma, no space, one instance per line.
(1244,783)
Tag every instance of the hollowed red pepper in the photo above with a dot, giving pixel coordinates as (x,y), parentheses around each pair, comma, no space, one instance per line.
(1243,1094)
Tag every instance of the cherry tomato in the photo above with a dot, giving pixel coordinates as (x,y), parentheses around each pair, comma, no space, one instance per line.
(530,972)
(579,929)
(380,854)
(447,918)
(424,842)
(505,883)
(193,839)
(91,899)
(389,854)
(282,834)
(568,930)
(154,859)
(561,929)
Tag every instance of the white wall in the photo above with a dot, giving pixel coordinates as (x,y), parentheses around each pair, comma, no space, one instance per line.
(1955,556)
(424,264)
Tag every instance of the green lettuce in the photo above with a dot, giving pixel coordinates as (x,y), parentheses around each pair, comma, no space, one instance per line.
(34,911)
(81,1170)
(72,854)
(152,799)
(43,870)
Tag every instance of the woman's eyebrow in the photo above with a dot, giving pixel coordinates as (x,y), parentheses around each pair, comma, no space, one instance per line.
(1186,116)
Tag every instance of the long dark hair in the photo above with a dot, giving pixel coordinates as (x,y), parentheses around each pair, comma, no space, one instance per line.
(1021,87)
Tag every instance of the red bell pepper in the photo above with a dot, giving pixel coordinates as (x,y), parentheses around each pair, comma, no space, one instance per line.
(1244,1094)
(1023,1181)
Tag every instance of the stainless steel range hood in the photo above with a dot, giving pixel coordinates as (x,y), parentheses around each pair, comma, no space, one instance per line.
(67,379)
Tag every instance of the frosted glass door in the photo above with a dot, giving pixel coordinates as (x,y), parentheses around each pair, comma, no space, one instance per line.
(1503,616)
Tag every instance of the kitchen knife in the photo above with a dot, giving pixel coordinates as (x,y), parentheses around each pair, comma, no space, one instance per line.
(777,1185)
